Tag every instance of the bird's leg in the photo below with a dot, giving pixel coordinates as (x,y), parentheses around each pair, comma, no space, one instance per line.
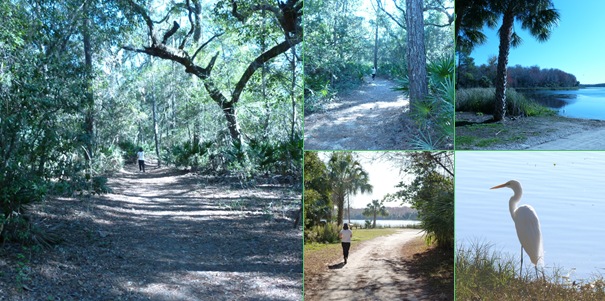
(521,270)
(536,271)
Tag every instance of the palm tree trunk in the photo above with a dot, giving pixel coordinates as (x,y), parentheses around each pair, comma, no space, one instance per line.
(374,226)
(506,32)
(340,202)
(349,209)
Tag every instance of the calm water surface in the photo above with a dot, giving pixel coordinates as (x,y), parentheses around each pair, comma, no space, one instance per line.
(567,189)
(386,223)
(588,103)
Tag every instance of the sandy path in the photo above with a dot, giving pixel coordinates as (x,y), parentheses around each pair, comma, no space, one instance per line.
(588,140)
(369,118)
(168,235)
(373,272)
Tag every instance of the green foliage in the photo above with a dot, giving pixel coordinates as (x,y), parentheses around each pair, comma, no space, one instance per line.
(17,190)
(129,151)
(435,115)
(190,154)
(317,191)
(434,200)
(337,51)
(432,194)
(482,100)
(326,233)
(283,157)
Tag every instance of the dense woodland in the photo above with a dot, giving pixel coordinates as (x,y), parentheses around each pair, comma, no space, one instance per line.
(471,76)
(409,42)
(215,86)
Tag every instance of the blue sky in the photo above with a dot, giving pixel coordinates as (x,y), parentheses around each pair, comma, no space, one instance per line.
(576,46)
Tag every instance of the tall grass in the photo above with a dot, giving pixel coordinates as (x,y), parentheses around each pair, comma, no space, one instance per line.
(482,100)
(485,274)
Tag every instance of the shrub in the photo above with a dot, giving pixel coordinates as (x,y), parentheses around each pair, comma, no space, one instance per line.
(326,233)
(435,114)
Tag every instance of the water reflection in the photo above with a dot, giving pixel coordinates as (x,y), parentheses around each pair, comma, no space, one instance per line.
(588,103)
(552,100)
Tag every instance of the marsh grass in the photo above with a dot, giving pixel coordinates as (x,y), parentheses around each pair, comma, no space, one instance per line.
(481,100)
(485,274)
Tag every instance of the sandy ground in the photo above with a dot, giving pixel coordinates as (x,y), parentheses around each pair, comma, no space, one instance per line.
(593,139)
(372,117)
(531,133)
(374,272)
(164,235)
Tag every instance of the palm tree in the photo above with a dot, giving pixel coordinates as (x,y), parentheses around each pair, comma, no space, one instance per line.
(375,208)
(537,16)
(360,182)
(347,177)
(471,17)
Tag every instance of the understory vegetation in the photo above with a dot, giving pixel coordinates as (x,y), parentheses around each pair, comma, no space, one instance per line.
(481,101)
(485,274)
(435,114)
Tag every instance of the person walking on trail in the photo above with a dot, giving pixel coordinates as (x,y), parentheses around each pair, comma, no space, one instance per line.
(141,158)
(345,238)
(373,73)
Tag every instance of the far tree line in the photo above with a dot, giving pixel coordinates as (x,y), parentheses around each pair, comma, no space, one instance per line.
(471,76)
(395,213)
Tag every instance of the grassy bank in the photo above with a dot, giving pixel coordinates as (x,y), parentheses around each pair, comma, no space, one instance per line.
(484,274)
(358,236)
(481,100)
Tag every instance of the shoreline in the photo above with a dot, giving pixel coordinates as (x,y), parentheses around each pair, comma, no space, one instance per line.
(529,133)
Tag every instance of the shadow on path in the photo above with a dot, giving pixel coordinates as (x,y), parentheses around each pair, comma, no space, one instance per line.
(165,235)
(337,266)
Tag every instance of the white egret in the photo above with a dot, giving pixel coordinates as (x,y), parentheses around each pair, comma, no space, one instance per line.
(527,225)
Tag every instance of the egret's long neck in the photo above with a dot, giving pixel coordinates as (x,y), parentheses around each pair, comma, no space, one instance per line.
(514,200)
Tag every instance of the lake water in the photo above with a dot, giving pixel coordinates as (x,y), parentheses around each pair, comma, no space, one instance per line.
(567,190)
(587,103)
(386,223)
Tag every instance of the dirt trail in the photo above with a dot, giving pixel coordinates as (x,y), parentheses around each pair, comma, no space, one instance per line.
(373,272)
(166,235)
(368,118)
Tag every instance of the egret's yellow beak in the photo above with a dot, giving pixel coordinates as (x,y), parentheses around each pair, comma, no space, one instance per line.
(499,186)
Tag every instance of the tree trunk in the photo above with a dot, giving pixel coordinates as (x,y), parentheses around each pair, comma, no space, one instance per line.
(340,200)
(293,94)
(416,52)
(349,209)
(374,226)
(155,129)
(88,94)
(506,32)
(234,130)
(376,43)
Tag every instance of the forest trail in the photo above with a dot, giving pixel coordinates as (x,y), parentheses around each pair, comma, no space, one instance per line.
(375,271)
(168,235)
(371,117)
